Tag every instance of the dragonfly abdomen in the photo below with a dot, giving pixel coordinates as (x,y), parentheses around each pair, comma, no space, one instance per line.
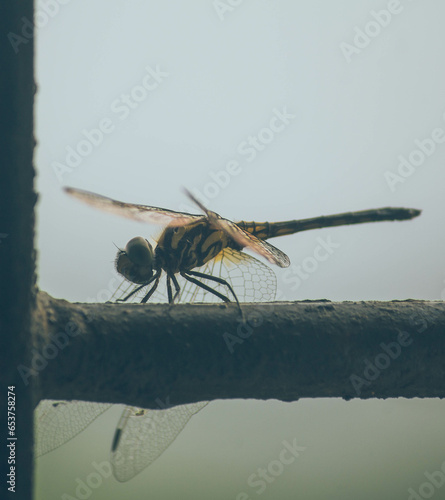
(265,230)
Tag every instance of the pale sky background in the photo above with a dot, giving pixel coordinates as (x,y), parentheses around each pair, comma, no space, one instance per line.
(352,112)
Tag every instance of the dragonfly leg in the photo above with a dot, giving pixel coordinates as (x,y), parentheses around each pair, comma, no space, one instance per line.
(177,287)
(217,279)
(169,289)
(204,286)
(155,278)
(211,290)
(136,290)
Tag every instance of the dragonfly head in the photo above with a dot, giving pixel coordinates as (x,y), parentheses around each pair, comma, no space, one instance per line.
(135,263)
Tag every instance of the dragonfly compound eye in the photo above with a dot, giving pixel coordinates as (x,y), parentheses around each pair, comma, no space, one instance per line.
(139,251)
(136,262)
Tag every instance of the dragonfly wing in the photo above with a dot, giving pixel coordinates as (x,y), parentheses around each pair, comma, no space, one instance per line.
(251,280)
(126,287)
(141,213)
(142,436)
(247,240)
(56,422)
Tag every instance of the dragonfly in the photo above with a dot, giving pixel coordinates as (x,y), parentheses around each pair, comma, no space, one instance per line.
(197,241)
(189,241)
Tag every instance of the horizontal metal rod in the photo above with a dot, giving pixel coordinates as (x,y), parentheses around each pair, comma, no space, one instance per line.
(142,354)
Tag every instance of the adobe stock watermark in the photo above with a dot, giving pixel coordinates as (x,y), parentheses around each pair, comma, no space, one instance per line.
(150,422)
(246,325)
(105,294)
(422,321)
(296,274)
(408,164)
(40,358)
(224,7)
(60,340)
(391,351)
(363,35)
(44,11)
(435,481)
(248,150)
(121,108)
(381,362)
(260,480)
(85,487)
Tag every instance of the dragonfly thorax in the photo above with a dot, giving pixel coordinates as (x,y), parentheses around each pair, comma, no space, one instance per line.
(136,262)
(190,246)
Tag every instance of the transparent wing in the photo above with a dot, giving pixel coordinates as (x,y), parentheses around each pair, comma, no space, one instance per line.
(252,281)
(56,422)
(142,436)
(141,213)
(126,287)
